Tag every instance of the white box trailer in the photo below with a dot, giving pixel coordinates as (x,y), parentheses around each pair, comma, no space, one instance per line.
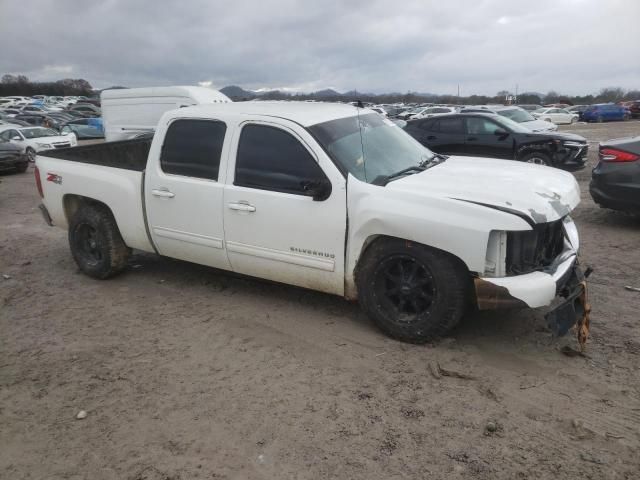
(131,112)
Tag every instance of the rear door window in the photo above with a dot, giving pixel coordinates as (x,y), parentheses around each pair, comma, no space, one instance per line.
(192,148)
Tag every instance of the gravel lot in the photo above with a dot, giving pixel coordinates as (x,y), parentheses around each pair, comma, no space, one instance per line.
(186,372)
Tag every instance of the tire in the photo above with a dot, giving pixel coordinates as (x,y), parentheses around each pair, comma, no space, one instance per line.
(599,119)
(31,154)
(412,293)
(573,120)
(22,167)
(95,241)
(537,158)
(626,118)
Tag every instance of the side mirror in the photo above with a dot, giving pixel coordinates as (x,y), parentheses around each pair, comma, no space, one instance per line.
(319,190)
(17,138)
(501,132)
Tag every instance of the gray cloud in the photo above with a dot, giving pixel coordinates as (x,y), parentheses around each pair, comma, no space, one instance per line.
(574,46)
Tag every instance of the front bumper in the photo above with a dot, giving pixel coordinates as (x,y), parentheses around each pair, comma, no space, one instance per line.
(563,279)
(572,158)
(532,290)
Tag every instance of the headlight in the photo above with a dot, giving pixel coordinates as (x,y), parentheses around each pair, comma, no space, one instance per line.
(43,145)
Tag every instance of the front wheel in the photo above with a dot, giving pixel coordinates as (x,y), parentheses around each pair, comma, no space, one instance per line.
(31,154)
(412,292)
(95,241)
(537,158)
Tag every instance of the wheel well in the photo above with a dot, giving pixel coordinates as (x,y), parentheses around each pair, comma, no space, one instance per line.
(72,204)
(375,239)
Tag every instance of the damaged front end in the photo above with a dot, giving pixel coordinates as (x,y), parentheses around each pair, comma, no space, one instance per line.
(539,266)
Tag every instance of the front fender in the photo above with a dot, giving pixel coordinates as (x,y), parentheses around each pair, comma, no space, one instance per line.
(457,227)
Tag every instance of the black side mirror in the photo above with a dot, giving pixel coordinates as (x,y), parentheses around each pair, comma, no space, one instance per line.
(319,190)
(501,132)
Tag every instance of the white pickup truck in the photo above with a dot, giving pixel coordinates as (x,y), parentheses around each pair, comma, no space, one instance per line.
(329,197)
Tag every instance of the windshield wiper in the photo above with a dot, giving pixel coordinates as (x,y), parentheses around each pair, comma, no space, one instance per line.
(382,180)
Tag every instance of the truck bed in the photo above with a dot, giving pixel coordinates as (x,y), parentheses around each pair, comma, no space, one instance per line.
(127,154)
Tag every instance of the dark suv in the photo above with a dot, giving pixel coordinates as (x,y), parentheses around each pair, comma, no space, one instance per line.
(486,135)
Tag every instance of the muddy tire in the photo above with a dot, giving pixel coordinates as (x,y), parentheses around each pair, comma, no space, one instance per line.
(413,293)
(537,158)
(95,241)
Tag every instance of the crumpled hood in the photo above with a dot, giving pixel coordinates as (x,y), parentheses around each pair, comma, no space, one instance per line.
(539,126)
(543,194)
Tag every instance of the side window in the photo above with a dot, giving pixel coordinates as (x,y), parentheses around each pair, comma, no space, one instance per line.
(480,126)
(451,126)
(192,148)
(271,159)
(6,135)
(428,125)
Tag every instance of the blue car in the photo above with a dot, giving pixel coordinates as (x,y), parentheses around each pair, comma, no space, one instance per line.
(604,112)
(84,128)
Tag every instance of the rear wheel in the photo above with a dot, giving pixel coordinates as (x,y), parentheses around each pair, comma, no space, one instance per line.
(95,241)
(537,158)
(412,292)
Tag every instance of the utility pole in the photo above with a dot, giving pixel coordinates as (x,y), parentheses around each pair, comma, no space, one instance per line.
(516,100)
(458,94)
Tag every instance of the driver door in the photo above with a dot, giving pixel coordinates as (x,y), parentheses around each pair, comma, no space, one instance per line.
(277,226)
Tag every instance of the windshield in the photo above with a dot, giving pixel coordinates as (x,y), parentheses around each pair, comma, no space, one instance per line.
(541,110)
(517,115)
(417,109)
(370,147)
(510,124)
(38,132)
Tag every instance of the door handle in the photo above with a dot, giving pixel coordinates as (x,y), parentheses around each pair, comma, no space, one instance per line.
(241,207)
(164,193)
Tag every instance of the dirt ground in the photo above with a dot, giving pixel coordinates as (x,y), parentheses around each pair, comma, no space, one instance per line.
(186,372)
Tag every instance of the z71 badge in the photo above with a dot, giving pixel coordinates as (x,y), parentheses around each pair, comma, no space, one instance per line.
(52,177)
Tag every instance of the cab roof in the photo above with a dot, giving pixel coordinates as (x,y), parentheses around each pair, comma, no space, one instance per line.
(303,113)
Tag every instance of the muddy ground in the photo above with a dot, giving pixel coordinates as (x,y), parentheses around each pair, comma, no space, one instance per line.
(187,372)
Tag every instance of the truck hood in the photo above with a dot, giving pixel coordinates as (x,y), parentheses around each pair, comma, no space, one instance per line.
(540,194)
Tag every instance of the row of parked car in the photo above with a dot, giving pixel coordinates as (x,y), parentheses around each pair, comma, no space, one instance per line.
(29,125)
(557,114)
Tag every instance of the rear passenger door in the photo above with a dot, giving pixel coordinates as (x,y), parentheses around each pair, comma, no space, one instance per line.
(274,227)
(183,195)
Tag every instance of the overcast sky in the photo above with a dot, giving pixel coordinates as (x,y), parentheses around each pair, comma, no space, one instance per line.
(573,46)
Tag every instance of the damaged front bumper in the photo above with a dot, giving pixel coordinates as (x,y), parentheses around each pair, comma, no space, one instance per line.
(564,280)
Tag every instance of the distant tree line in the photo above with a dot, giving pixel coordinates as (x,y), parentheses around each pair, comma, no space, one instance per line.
(611,94)
(19,85)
